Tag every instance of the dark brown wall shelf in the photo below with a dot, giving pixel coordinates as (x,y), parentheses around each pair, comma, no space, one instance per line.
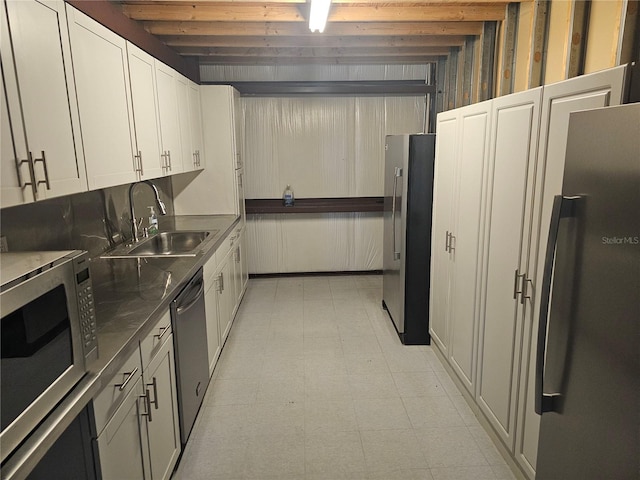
(316,205)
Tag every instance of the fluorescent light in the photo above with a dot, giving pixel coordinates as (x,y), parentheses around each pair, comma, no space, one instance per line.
(318,15)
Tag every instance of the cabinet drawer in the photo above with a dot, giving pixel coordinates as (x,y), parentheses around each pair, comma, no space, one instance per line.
(209,270)
(226,245)
(152,342)
(109,399)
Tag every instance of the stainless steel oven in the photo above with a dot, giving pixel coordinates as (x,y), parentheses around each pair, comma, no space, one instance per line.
(47,334)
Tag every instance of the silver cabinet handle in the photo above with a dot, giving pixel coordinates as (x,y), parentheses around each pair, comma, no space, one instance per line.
(32,175)
(221,283)
(163,330)
(46,170)
(446,244)
(525,289)
(516,277)
(396,175)
(169,158)
(452,244)
(138,158)
(147,401)
(153,384)
(129,376)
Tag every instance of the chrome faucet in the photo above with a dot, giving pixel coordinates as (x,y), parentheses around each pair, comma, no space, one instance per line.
(134,222)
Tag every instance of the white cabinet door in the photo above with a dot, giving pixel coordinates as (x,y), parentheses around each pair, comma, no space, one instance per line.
(41,94)
(599,89)
(16,186)
(182,94)
(145,112)
(244,261)
(238,132)
(169,118)
(120,443)
(514,136)
(211,301)
(162,424)
(466,239)
(241,209)
(195,122)
(104,101)
(443,190)
(227,298)
(213,191)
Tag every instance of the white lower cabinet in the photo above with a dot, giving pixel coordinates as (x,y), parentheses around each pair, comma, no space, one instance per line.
(211,300)
(120,444)
(225,282)
(162,412)
(121,435)
(136,414)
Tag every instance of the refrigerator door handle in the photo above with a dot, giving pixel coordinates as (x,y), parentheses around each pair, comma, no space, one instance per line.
(397,174)
(563,207)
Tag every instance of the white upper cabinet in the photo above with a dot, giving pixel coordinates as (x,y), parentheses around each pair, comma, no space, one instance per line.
(104,100)
(36,64)
(215,190)
(195,123)
(169,118)
(514,139)
(182,94)
(142,76)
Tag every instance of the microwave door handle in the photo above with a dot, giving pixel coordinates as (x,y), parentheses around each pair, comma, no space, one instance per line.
(563,207)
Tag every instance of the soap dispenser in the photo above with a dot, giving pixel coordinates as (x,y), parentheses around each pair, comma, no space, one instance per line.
(153,221)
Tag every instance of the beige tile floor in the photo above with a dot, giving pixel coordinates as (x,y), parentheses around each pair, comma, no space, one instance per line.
(313,384)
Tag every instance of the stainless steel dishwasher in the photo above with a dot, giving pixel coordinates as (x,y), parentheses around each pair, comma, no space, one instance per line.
(190,344)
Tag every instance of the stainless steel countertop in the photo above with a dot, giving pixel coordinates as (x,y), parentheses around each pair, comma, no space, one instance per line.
(129,296)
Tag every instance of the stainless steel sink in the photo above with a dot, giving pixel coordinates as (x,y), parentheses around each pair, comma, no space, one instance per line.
(165,244)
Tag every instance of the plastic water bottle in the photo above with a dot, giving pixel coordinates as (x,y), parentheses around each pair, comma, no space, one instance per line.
(287,197)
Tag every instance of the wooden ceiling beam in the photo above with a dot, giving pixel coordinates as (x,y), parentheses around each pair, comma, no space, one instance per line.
(250,12)
(310,52)
(312,41)
(368,2)
(298,29)
(394,59)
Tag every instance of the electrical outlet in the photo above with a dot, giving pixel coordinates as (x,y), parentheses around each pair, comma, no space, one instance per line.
(4,246)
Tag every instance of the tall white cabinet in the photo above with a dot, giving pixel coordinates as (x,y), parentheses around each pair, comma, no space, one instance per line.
(596,90)
(214,190)
(461,151)
(498,165)
(42,153)
(506,281)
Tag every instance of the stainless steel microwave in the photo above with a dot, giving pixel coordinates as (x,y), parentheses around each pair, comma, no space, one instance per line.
(47,334)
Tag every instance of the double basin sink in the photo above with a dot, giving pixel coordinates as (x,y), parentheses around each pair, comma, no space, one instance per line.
(165,244)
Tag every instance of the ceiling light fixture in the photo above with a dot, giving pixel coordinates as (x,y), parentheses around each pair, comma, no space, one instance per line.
(318,15)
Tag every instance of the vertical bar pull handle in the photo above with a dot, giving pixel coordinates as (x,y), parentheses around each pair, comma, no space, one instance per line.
(154,384)
(46,170)
(446,242)
(397,174)
(562,207)
(517,276)
(147,400)
(526,282)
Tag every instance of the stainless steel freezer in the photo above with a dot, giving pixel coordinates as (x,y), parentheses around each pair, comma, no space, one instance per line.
(588,364)
(408,199)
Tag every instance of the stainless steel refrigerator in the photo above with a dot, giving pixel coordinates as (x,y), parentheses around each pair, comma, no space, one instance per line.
(408,199)
(588,365)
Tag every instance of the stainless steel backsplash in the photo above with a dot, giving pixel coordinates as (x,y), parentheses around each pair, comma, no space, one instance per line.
(93,221)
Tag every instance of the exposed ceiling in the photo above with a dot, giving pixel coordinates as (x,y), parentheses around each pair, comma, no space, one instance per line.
(277,32)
